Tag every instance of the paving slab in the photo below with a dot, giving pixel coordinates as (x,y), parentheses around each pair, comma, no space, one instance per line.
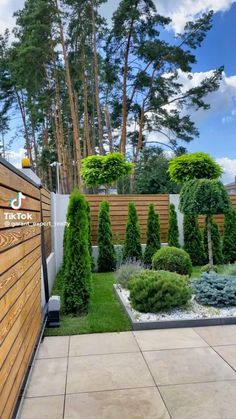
(228,353)
(54,347)
(218,335)
(43,408)
(119,404)
(201,401)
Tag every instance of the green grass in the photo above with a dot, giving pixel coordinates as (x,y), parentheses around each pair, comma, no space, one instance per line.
(105,313)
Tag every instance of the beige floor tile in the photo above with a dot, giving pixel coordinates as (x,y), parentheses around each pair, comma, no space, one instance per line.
(119,404)
(188,366)
(201,401)
(218,335)
(48,378)
(107,372)
(43,408)
(168,339)
(228,353)
(105,343)
(54,347)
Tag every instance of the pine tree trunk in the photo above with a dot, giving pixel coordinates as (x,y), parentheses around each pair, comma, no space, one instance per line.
(96,83)
(76,139)
(209,241)
(109,128)
(27,137)
(87,142)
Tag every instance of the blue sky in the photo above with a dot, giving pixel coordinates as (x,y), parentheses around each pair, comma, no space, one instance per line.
(217,126)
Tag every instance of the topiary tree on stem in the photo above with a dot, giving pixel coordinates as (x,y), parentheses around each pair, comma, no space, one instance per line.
(106,251)
(193,240)
(216,242)
(153,236)
(229,240)
(77,269)
(132,249)
(173,230)
(205,197)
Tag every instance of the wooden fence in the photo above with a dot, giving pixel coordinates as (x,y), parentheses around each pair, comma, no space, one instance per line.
(119,213)
(20,281)
(218,218)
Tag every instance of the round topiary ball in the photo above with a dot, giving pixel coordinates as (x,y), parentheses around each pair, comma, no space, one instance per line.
(172,259)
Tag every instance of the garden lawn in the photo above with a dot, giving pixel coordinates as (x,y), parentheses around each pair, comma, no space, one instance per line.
(105,313)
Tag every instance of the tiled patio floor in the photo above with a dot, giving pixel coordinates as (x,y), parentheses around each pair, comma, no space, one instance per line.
(159,374)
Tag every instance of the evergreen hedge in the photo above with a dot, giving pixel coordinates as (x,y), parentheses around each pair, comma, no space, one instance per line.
(77,269)
(153,236)
(132,249)
(193,240)
(173,230)
(106,251)
(229,239)
(216,243)
(90,235)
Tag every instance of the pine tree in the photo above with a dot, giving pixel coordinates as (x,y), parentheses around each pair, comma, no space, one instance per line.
(153,236)
(229,239)
(216,242)
(132,247)
(77,272)
(173,231)
(193,240)
(106,251)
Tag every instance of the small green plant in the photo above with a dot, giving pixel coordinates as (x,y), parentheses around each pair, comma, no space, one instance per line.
(127,271)
(173,230)
(229,239)
(106,252)
(153,291)
(193,240)
(132,249)
(153,236)
(77,269)
(208,268)
(216,242)
(172,259)
(215,290)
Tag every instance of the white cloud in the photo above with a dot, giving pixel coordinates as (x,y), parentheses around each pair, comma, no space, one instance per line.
(229,167)
(181,11)
(8,7)
(15,157)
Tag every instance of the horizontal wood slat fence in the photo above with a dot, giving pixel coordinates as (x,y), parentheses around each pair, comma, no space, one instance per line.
(119,213)
(20,281)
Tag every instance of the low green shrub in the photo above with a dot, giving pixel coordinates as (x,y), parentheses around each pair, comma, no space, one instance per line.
(215,290)
(172,259)
(127,271)
(208,268)
(153,291)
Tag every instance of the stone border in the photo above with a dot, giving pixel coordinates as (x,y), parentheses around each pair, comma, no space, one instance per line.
(170,324)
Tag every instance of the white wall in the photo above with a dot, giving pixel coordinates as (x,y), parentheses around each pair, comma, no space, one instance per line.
(174,199)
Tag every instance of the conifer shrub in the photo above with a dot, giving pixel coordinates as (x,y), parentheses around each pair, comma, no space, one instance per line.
(208,268)
(172,259)
(229,239)
(132,249)
(153,291)
(77,269)
(193,240)
(106,251)
(173,230)
(90,236)
(215,290)
(216,242)
(153,236)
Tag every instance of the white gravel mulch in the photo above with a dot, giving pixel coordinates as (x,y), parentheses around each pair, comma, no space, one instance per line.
(192,311)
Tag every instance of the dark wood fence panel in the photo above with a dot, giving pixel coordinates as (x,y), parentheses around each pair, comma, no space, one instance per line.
(20,283)
(119,213)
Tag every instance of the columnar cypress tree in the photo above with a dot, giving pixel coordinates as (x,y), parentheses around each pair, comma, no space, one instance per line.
(216,242)
(106,251)
(132,247)
(153,235)
(77,271)
(90,236)
(229,240)
(193,240)
(173,231)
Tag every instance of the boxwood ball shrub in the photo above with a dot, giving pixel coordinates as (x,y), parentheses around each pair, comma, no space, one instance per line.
(208,268)
(172,259)
(215,290)
(127,271)
(106,251)
(77,264)
(153,291)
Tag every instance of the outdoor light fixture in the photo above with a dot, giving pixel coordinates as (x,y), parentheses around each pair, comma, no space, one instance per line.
(54,306)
